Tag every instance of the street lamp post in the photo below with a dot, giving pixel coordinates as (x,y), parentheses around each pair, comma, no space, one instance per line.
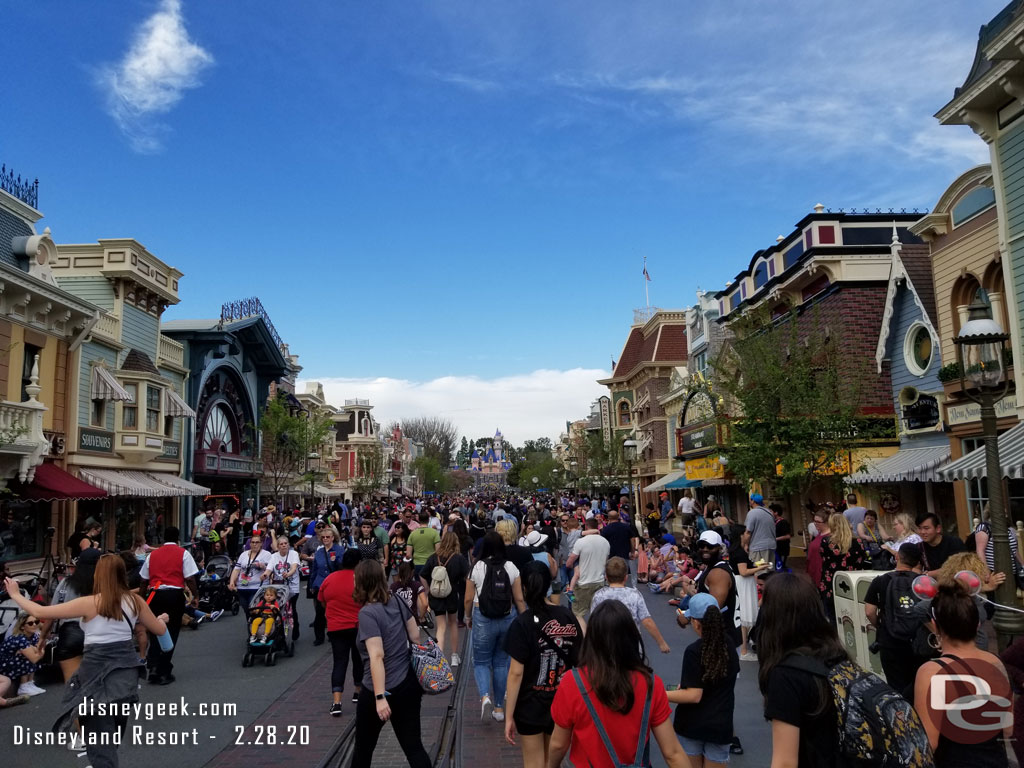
(314,456)
(629,454)
(981,348)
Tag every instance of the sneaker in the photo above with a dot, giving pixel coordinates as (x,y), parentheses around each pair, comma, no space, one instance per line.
(655,588)
(166,680)
(13,701)
(216,614)
(486,708)
(456,660)
(355,697)
(30,689)
(498,716)
(197,622)
(735,748)
(336,709)
(749,656)
(252,639)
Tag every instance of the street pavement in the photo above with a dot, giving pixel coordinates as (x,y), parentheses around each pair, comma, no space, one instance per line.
(296,693)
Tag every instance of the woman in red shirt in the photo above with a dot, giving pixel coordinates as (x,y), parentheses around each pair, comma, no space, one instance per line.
(617,681)
(342,625)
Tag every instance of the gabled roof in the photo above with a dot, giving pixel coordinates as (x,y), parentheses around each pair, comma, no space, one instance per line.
(911,264)
(917,261)
(139,362)
(665,343)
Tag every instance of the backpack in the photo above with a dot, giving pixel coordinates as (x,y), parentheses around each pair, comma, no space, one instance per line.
(898,611)
(440,584)
(877,727)
(496,595)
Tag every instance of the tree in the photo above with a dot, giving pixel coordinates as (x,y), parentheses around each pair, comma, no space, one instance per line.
(370,474)
(462,457)
(435,434)
(600,465)
(431,474)
(289,437)
(459,480)
(540,445)
(792,402)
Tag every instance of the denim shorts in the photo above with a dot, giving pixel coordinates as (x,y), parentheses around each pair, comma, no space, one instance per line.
(714,753)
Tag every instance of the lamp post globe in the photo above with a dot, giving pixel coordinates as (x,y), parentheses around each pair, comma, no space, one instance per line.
(981,354)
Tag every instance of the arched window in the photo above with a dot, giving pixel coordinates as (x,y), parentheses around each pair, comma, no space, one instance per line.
(760,275)
(973,203)
(219,432)
(624,414)
(966,291)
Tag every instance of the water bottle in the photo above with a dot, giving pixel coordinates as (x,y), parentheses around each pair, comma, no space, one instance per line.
(166,643)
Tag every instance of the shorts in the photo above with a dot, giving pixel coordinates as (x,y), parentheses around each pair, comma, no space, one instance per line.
(444,605)
(713,753)
(70,641)
(534,729)
(584,597)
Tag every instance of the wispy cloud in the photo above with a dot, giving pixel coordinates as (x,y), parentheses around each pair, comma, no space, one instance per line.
(470,83)
(524,406)
(162,63)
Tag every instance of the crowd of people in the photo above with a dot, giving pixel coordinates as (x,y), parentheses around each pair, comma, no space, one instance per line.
(549,589)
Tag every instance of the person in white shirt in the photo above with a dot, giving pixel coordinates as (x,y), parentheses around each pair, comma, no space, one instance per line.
(591,550)
(283,568)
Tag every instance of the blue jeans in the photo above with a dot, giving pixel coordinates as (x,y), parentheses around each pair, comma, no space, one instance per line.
(490,662)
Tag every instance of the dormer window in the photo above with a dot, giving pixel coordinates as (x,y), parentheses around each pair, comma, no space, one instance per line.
(760,275)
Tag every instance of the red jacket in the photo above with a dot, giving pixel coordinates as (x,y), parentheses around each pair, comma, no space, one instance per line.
(814,559)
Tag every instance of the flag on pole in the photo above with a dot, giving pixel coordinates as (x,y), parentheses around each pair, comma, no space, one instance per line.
(646,275)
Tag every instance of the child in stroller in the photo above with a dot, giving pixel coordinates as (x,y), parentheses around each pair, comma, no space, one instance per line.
(214,595)
(265,610)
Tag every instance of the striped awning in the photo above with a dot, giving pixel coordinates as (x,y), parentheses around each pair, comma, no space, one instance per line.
(123,482)
(105,386)
(175,406)
(1011,459)
(906,465)
(661,482)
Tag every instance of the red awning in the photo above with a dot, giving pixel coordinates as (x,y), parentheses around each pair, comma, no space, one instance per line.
(52,483)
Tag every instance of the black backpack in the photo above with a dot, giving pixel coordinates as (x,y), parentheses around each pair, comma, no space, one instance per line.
(898,612)
(496,596)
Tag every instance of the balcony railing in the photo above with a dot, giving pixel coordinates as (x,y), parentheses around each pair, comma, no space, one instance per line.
(22,442)
(171,351)
(25,190)
(357,401)
(108,327)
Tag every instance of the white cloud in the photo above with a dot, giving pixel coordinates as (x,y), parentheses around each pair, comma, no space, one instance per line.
(475,84)
(523,406)
(161,64)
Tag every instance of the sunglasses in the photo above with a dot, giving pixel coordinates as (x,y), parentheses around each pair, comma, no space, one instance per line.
(32,623)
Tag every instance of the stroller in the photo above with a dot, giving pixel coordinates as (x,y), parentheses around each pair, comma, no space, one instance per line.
(214,594)
(279,639)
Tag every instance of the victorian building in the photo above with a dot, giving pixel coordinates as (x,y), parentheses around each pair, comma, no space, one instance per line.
(42,327)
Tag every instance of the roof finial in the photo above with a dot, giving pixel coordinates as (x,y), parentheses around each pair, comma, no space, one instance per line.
(895,235)
(819,208)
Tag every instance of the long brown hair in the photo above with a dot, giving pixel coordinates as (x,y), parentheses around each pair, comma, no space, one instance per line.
(450,545)
(371,585)
(612,651)
(110,586)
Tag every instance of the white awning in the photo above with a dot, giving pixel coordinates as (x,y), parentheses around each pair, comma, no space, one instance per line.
(141,484)
(175,406)
(1011,459)
(325,491)
(906,465)
(179,484)
(105,386)
(661,482)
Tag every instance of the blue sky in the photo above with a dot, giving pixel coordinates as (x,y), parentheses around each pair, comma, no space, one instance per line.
(445,205)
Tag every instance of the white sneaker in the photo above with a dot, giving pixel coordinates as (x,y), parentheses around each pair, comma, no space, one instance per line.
(456,660)
(486,707)
(749,656)
(498,716)
(30,689)
(216,614)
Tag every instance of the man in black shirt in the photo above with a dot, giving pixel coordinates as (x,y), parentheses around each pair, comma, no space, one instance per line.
(896,653)
(783,534)
(937,548)
(622,540)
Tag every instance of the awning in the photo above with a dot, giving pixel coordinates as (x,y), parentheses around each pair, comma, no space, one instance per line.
(106,387)
(179,484)
(327,492)
(906,465)
(52,483)
(175,406)
(1011,459)
(682,482)
(141,484)
(661,482)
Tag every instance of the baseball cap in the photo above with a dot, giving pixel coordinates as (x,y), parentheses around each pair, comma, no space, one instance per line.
(713,538)
(757,498)
(699,605)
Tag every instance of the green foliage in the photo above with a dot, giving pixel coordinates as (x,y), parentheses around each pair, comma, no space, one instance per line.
(431,474)
(792,402)
(462,456)
(370,477)
(289,437)
(949,372)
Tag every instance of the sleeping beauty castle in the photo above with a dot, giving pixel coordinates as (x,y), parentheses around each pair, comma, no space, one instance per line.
(490,471)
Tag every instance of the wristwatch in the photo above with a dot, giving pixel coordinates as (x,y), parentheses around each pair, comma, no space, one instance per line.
(380,696)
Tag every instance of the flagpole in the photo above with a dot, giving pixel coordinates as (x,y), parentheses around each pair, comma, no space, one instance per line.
(647,290)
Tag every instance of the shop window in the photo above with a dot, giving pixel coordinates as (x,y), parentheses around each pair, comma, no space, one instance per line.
(153,397)
(130,411)
(28,360)
(624,414)
(98,417)
(21,529)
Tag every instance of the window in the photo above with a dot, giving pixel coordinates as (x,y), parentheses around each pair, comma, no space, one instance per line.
(794,253)
(26,368)
(917,349)
(624,415)
(99,413)
(168,426)
(700,363)
(760,274)
(153,397)
(130,411)
(21,529)
(973,203)
(217,433)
